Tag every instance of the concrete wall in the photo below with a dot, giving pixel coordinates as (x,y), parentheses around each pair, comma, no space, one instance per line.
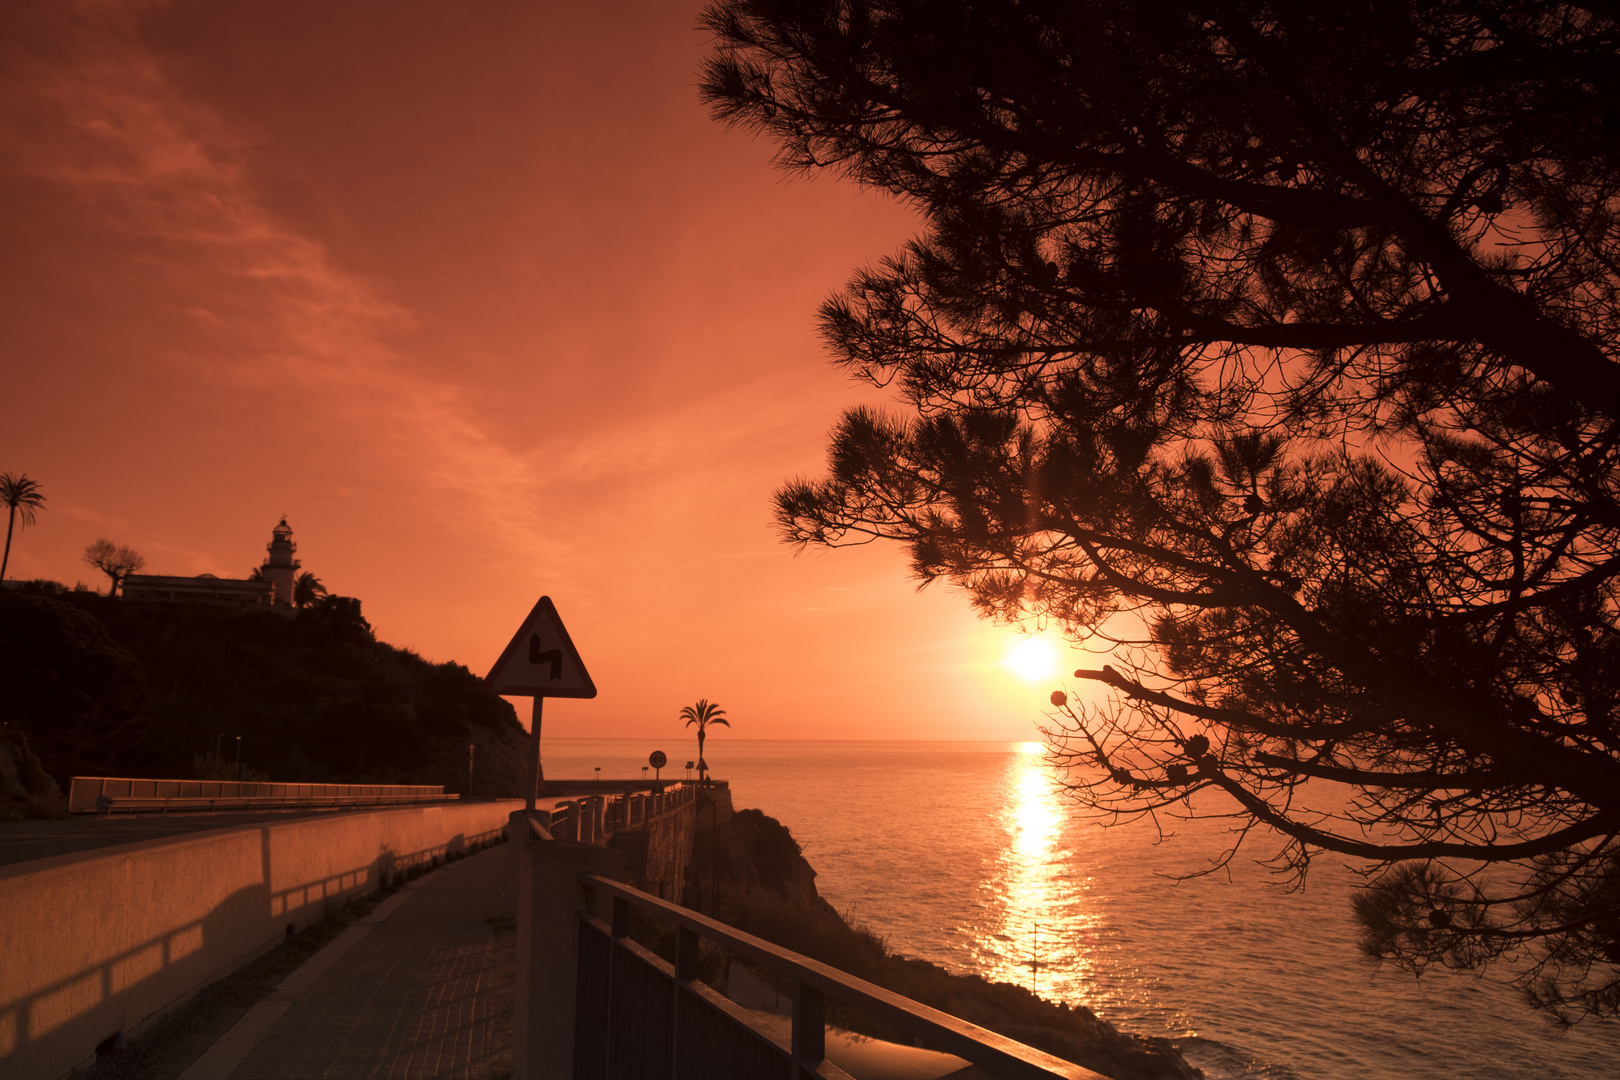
(100,943)
(549,900)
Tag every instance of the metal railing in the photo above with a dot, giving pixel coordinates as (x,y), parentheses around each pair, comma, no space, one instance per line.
(589,817)
(637,1016)
(112,794)
(592,817)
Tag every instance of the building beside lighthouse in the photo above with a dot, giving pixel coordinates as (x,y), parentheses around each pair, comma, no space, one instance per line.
(273,586)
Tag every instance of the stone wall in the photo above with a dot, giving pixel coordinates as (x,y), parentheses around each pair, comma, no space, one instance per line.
(657,854)
(669,851)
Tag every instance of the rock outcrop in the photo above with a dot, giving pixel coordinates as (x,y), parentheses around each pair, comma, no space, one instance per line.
(751,873)
(26,790)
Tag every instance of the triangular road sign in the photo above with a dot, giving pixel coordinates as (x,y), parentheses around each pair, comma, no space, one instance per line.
(541,661)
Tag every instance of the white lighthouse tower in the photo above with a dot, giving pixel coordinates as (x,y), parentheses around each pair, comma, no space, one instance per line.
(281,569)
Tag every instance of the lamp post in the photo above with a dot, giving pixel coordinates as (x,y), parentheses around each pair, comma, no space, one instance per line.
(471,748)
(239,758)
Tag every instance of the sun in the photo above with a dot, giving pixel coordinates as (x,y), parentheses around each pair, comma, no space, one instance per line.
(1033,659)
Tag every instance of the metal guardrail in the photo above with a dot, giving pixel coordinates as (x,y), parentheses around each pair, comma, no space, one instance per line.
(638,1016)
(590,817)
(112,794)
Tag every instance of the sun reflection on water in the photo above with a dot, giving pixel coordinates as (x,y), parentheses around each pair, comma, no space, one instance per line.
(1039,931)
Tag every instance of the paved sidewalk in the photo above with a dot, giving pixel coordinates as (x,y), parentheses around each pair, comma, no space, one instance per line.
(422,987)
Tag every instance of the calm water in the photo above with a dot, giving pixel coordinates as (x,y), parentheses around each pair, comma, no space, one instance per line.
(966,854)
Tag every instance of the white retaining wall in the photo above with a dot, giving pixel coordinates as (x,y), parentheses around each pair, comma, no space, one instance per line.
(102,942)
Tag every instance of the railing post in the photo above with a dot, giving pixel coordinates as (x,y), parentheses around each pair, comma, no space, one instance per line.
(686,972)
(619,929)
(809,1030)
(621,918)
(517,834)
(549,900)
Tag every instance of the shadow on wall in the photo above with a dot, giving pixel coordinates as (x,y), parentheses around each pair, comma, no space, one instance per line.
(51,1025)
(98,947)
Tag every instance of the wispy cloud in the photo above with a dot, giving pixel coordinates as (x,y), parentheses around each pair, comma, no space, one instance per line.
(101,117)
(732,426)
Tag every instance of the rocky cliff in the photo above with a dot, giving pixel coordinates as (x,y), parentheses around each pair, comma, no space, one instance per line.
(750,872)
(26,790)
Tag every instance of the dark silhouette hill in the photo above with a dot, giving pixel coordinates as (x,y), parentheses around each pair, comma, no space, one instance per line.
(103,686)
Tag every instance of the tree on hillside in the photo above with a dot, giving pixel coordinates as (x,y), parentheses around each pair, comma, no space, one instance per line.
(23,499)
(307,590)
(1269,350)
(340,617)
(114,560)
(703,714)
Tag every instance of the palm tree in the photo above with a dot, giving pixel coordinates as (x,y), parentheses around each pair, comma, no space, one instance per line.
(307,589)
(23,498)
(703,714)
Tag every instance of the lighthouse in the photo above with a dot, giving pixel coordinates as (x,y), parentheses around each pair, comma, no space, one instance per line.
(281,569)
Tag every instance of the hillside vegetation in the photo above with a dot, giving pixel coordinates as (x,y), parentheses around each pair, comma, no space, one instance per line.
(101,686)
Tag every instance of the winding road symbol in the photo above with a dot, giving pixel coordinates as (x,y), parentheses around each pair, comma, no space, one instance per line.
(552,656)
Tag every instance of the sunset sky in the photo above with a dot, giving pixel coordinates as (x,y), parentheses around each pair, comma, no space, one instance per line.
(483,301)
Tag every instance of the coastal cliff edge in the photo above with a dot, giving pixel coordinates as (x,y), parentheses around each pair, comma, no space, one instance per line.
(751,873)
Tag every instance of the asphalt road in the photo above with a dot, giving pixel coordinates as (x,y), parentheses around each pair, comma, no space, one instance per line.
(21,841)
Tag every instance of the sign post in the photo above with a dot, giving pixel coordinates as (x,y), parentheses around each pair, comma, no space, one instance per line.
(540,662)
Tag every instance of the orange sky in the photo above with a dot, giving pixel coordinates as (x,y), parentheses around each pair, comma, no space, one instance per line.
(479,296)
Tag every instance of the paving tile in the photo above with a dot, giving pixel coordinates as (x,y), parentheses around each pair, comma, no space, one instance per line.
(421,989)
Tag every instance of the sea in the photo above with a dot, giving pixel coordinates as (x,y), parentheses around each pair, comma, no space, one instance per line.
(969,855)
